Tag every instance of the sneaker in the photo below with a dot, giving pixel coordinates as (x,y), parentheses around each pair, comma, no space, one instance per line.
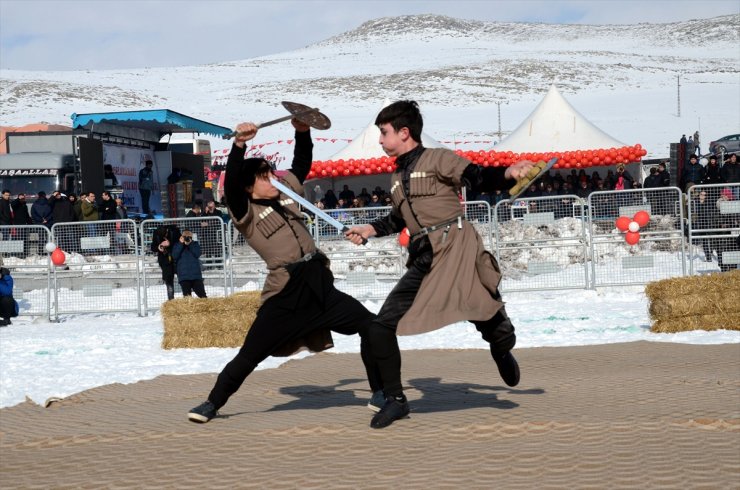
(203,412)
(508,368)
(392,410)
(376,401)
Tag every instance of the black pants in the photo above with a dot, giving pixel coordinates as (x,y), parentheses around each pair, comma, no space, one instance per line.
(280,322)
(497,331)
(195,285)
(7,307)
(145,195)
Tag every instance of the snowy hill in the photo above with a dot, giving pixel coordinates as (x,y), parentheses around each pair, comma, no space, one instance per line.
(622,77)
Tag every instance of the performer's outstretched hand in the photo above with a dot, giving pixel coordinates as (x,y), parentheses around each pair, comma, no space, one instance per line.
(360,233)
(518,170)
(300,126)
(244,132)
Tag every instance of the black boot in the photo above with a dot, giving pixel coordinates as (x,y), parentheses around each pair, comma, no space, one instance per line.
(394,409)
(508,368)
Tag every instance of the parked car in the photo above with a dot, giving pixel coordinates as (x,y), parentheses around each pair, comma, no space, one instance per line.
(727,144)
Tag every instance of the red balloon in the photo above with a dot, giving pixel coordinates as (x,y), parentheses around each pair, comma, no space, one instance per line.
(642,218)
(623,223)
(58,257)
(632,237)
(404,237)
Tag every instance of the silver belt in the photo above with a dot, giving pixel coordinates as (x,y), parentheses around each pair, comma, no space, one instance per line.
(306,258)
(428,229)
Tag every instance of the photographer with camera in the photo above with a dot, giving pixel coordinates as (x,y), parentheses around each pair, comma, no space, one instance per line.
(186,254)
(162,239)
(8,305)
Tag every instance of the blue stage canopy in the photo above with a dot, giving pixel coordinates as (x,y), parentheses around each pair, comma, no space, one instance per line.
(156,122)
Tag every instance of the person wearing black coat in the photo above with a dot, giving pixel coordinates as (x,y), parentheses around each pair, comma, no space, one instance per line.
(186,254)
(163,239)
(61,209)
(107,207)
(6,217)
(21,216)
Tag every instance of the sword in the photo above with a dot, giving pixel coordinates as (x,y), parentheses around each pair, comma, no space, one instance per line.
(306,204)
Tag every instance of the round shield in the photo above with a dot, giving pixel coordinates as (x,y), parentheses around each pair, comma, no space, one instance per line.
(308,115)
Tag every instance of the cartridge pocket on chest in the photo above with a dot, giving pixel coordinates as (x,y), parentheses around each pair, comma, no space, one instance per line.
(397,194)
(269,222)
(422,184)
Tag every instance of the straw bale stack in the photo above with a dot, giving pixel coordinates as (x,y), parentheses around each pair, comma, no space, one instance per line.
(708,302)
(209,322)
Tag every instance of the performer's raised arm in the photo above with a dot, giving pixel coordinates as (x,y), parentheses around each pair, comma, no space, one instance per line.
(303,151)
(490,179)
(237,198)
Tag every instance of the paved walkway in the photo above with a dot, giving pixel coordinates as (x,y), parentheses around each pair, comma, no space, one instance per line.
(638,415)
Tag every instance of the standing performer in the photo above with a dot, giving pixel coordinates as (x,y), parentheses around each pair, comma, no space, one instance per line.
(450,276)
(300,304)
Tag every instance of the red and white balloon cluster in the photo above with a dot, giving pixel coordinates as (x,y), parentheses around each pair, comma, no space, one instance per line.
(632,226)
(566,159)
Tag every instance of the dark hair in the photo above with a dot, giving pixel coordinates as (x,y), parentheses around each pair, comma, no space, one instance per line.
(403,114)
(259,168)
(6,190)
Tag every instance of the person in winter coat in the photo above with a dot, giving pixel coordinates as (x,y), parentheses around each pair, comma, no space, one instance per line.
(107,208)
(712,174)
(62,210)
(300,305)
(77,206)
(6,215)
(693,173)
(21,216)
(8,305)
(450,276)
(41,212)
(730,173)
(163,239)
(186,254)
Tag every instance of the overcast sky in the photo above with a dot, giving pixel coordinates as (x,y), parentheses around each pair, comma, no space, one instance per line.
(103,34)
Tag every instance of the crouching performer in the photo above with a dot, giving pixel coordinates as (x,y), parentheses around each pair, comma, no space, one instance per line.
(450,276)
(300,305)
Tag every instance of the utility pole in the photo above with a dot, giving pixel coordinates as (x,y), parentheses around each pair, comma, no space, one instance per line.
(498,105)
(678,92)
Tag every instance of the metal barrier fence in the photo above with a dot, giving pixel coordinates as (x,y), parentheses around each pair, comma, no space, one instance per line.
(478,213)
(23,249)
(209,232)
(541,243)
(660,252)
(713,227)
(101,268)
(560,242)
(348,216)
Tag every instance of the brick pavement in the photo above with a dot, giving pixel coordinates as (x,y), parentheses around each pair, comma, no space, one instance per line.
(637,415)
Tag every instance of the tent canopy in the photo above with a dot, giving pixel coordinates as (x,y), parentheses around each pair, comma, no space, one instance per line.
(150,125)
(555,125)
(366,144)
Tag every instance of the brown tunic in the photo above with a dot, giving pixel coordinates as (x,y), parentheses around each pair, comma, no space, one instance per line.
(463,276)
(280,242)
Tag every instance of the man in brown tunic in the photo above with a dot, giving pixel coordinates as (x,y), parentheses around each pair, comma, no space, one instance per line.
(450,276)
(300,304)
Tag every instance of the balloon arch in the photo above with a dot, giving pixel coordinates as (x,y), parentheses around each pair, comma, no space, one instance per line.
(491,158)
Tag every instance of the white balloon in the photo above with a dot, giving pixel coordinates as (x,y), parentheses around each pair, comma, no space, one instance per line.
(51,246)
(633,227)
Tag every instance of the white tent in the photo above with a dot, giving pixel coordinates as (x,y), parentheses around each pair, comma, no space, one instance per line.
(366,144)
(555,125)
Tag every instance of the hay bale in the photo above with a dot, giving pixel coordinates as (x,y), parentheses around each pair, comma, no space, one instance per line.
(697,322)
(706,302)
(693,304)
(209,322)
(679,286)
